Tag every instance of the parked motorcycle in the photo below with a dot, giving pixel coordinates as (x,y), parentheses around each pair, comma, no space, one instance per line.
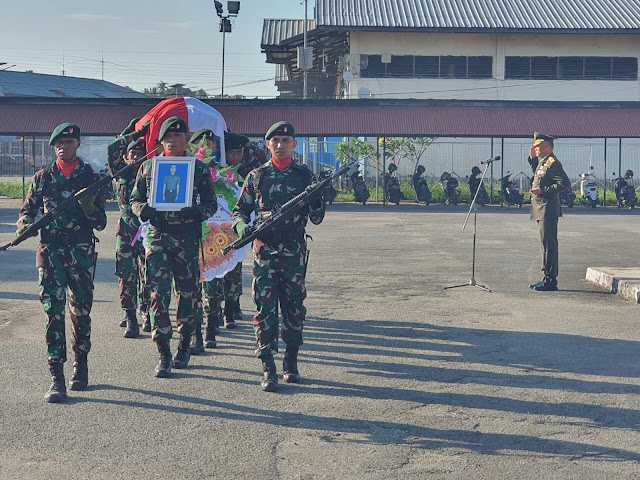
(329,193)
(474,184)
(360,190)
(450,187)
(567,197)
(392,185)
(589,189)
(423,194)
(510,191)
(625,193)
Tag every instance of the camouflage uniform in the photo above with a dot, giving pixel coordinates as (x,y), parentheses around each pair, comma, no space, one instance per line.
(130,260)
(253,157)
(172,253)
(66,255)
(280,257)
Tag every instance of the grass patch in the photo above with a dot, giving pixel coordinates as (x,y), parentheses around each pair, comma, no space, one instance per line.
(13,190)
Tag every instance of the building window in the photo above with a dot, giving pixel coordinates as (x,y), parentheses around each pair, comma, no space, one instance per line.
(480,67)
(401,66)
(419,66)
(571,68)
(625,68)
(427,67)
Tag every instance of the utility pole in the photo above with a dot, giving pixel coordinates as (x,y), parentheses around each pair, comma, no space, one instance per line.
(225,27)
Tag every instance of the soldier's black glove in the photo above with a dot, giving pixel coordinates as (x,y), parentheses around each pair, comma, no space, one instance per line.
(148,213)
(191,212)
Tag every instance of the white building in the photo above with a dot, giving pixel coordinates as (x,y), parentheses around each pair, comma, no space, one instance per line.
(557,50)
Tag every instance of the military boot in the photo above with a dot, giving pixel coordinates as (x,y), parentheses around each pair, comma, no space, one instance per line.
(182,356)
(215,321)
(229,320)
(197,345)
(237,312)
(57,391)
(290,366)
(270,381)
(210,333)
(146,318)
(123,322)
(132,330)
(163,369)
(80,377)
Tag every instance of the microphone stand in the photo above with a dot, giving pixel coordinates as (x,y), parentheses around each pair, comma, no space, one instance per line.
(474,208)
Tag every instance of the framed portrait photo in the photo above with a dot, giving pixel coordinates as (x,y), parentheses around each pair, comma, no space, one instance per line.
(171,183)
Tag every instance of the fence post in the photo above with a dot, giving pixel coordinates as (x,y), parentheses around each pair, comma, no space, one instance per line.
(604,198)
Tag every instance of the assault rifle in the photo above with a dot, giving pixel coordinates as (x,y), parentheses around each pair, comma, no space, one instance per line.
(69,203)
(286,211)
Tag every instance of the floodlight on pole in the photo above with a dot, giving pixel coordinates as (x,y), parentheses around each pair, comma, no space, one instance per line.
(233,7)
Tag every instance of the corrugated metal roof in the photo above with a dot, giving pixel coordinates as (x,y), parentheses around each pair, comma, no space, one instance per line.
(19,84)
(543,15)
(354,118)
(275,31)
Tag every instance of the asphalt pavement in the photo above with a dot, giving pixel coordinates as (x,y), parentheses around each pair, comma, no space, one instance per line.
(402,379)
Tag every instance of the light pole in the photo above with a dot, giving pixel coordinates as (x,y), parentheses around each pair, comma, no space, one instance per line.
(225,26)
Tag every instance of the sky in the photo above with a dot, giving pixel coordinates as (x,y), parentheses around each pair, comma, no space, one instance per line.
(139,43)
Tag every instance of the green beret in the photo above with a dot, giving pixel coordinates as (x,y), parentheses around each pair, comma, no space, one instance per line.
(205,132)
(173,124)
(138,144)
(282,129)
(539,138)
(234,141)
(65,130)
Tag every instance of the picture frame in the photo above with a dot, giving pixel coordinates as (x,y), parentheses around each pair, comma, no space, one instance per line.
(171,183)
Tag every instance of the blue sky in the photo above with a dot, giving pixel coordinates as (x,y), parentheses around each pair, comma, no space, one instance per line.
(144,42)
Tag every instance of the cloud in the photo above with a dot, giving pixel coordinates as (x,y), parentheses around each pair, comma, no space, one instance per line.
(90,17)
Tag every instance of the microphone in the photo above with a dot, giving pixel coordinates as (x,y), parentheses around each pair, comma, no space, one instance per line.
(494,159)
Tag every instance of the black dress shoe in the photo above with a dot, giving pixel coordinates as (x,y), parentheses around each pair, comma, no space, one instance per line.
(546,287)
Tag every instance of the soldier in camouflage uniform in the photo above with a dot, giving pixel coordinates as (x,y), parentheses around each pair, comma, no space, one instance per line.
(66,255)
(126,149)
(252,157)
(280,257)
(172,248)
(229,287)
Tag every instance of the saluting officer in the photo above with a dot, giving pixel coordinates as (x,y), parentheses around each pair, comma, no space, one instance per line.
(66,255)
(172,249)
(126,149)
(280,256)
(549,179)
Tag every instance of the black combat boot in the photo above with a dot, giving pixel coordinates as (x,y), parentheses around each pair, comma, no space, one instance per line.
(229,312)
(123,322)
(210,332)
(215,321)
(270,381)
(163,369)
(57,391)
(237,312)
(146,318)
(197,345)
(182,356)
(132,330)
(290,366)
(80,377)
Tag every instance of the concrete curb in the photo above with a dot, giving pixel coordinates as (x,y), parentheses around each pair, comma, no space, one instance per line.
(624,282)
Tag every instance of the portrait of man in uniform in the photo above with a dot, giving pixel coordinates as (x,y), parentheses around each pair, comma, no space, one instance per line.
(172,183)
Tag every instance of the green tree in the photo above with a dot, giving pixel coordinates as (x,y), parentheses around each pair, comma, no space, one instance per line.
(163,90)
(415,147)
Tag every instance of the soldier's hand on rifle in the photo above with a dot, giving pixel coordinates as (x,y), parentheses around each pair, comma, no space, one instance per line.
(191,212)
(311,187)
(317,202)
(243,230)
(147,213)
(23,229)
(86,203)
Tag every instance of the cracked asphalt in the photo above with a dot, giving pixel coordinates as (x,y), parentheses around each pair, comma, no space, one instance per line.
(401,378)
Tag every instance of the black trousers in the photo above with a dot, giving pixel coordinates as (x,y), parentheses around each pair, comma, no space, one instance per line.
(548,233)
